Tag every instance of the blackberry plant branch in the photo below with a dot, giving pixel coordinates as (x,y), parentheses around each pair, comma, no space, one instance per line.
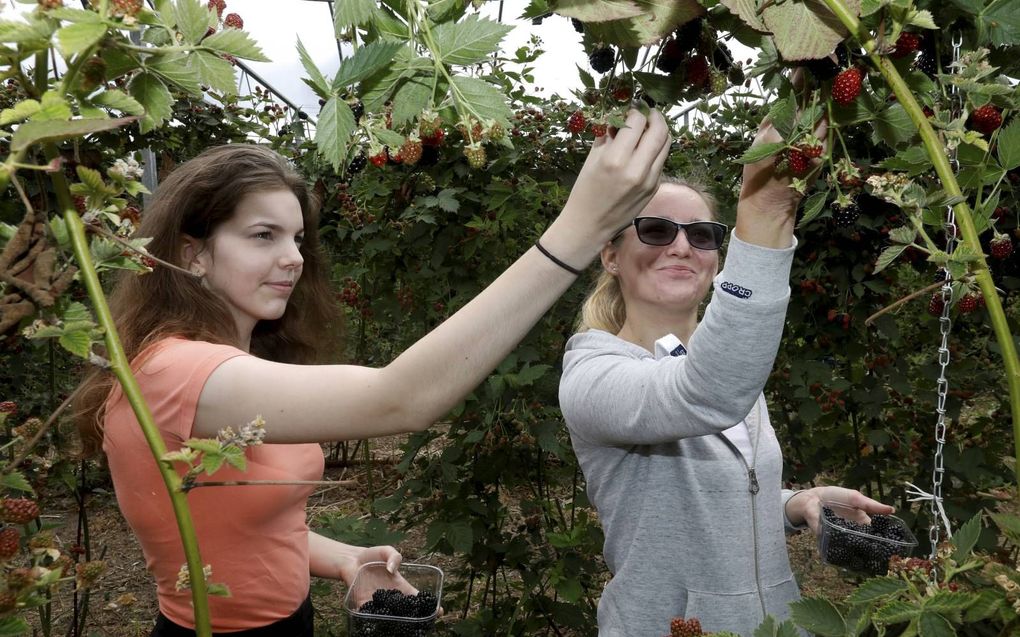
(895,304)
(122,369)
(963,215)
(98,229)
(243,483)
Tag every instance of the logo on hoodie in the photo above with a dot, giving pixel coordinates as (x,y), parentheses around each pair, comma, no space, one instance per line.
(736,290)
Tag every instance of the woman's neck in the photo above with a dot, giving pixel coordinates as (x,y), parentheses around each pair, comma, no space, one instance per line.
(644,328)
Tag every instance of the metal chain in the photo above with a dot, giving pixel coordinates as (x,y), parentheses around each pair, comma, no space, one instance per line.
(945,325)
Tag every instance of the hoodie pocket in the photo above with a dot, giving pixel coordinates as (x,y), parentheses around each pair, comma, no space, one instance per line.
(725,612)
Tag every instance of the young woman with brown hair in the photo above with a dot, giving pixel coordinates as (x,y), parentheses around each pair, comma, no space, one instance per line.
(238,338)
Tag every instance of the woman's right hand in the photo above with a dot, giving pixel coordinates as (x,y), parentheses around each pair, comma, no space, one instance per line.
(619,177)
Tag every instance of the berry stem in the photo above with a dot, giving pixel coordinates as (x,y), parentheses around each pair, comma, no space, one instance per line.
(122,369)
(964,218)
(895,304)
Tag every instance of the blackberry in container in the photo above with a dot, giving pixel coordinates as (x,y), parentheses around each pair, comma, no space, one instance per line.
(857,546)
(381,604)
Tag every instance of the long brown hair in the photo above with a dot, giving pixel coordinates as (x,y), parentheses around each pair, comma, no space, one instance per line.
(194,200)
(604,308)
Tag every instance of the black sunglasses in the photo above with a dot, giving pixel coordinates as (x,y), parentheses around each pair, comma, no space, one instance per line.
(656,231)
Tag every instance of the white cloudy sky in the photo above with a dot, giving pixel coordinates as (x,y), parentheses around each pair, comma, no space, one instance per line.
(277,25)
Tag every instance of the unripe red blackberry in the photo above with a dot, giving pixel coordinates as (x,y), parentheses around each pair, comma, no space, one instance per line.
(233,21)
(18,510)
(10,543)
(219,5)
(126,8)
(1001,246)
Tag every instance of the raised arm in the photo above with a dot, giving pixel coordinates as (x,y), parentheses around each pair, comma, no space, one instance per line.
(336,402)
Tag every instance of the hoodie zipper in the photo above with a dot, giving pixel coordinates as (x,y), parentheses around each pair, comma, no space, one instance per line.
(752,487)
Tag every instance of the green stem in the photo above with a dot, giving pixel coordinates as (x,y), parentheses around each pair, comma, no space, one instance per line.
(964,220)
(122,369)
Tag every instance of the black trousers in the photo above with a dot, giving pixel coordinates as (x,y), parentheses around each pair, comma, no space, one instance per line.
(297,625)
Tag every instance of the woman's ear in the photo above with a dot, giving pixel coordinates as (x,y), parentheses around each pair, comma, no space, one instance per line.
(191,252)
(608,256)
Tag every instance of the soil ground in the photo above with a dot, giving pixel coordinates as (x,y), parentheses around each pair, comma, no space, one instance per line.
(124,604)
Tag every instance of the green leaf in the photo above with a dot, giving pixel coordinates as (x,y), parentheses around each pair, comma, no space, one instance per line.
(78,342)
(485,99)
(783,114)
(31,30)
(76,312)
(119,100)
(806,29)
(934,625)
(213,70)
(818,616)
(75,38)
(152,93)
(68,14)
(949,603)
(913,160)
(1008,146)
(410,99)
(217,589)
(316,79)
(34,132)
(12,626)
(1009,524)
(16,480)
(176,70)
(655,20)
(54,106)
(352,13)
(469,42)
(461,536)
(746,10)
(812,207)
(334,129)
(893,126)
(923,19)
(1001,18)
(205,445)
(192,19)
(903,234)
(211,462)
(235,42)
(366,61)
(235,457)
(965,538)
(529,375)
(888,256)
(20,112)
(760,151)
(603,11)
(987,603)
(896,612)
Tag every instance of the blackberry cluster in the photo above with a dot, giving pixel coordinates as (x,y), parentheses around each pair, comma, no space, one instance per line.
(391,603)
(859,547)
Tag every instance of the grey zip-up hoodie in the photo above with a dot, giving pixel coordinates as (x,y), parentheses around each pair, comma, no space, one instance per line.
(692,528)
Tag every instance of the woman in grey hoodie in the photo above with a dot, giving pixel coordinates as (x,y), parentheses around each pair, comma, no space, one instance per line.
(667,417)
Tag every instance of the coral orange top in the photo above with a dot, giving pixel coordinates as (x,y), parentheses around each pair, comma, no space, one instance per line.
(255,537)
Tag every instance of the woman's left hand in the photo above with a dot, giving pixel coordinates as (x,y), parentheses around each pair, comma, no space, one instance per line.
(361,556)
(805,506)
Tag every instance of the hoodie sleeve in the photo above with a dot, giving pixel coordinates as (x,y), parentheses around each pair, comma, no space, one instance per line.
(615,393)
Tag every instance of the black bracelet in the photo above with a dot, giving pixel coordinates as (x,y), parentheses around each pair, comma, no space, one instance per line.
(563,265)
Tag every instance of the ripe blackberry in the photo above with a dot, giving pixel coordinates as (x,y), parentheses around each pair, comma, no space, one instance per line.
(357,108)
(861,547)
(936,304)
(696,72)
(357,164)
(689,34)
(927,63)
(721,58)
(578,25)
(846,216)
(671,56)
(825,68)
(602,59)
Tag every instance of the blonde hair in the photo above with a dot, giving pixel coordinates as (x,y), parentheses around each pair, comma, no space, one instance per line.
(604,307)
